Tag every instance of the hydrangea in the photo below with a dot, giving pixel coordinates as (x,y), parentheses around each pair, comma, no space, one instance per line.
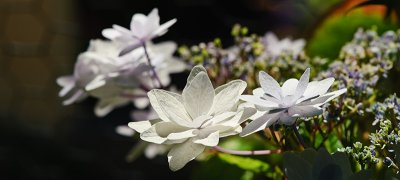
(142,29)
(283,105)
(276,47)
(118,80)
(196,119)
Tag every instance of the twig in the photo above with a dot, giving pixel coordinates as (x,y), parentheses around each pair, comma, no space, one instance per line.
(155,76)
(298,136)
(244,153)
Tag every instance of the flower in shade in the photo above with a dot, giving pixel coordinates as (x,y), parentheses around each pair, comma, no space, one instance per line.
(283,105)
(276,46)
(142,29)
(196,119)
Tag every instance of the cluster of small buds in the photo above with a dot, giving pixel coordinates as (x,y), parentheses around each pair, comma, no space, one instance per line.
(389,108)
(386,139)
(250,54)
(361,64)
(364,155)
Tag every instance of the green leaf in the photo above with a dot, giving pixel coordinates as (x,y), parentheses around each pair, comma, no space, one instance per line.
(296,167)
(342,160)
(364,174)
(245,163)
(322,160)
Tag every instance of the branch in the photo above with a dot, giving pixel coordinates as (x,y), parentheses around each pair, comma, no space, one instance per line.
(245,153)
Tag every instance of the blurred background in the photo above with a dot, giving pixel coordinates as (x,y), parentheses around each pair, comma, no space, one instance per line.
(40,40)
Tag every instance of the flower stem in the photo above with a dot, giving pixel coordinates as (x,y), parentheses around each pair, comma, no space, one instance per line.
(244,153)
(298,136)
(274,136)
(155,76)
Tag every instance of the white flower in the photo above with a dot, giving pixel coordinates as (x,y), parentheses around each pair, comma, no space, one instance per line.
(195,119)
(283,105)
(142,29)
(276,46)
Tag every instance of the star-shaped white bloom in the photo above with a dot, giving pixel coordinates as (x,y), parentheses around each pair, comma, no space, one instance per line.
(283,105)
(142,29)
(276,46)
(195,119)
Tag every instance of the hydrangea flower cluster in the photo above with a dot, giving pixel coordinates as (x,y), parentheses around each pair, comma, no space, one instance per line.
(250,54)
(117,79)
(385,142)
(128,67)
(364,61)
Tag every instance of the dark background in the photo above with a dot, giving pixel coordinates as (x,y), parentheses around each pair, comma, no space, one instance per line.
(39,41)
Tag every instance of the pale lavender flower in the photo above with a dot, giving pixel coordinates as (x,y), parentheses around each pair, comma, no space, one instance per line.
(275,47)
(195,119)
(142,29)
(283,105)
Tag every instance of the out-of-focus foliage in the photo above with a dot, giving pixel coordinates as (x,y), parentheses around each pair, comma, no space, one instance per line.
(311,164)
(337,30)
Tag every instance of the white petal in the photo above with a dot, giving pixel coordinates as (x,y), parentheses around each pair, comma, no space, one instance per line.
(302,85)
(159,132)
(304,111)
(105,106)
(141,126)
(324,98)
(193,73)
(318,87)
(227,96)
(286,119)
(211,140)
(130,47)
(182,135)
(198,97)
(164,27)
(260,123)
(234,131)
(181,154)
(110,33)
(258,101)
(77,96)
(169,107)
(258,92)
(141,103)
(289,87)
(222,117)
(124,130)
(269,85)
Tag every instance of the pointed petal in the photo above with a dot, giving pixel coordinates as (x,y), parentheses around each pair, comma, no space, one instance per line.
(302,85)
(198,97)
(129,48)
(211,140)
(110,33)
(318,87)
(193,73)
(141,126)
(164,28)
(77,96)
(183,135)
(227,97)
(289,87)
(181,154)
(260,123)
(258,101)
(159,132)
(304,111)
(258,92)
(324,98)
(169,107)
(105,106)
(269,85)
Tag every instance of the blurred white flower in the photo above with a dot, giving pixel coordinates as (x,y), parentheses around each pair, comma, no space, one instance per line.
(195,119)
(142,29)
(283,105)
(118,80)
(275,47)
